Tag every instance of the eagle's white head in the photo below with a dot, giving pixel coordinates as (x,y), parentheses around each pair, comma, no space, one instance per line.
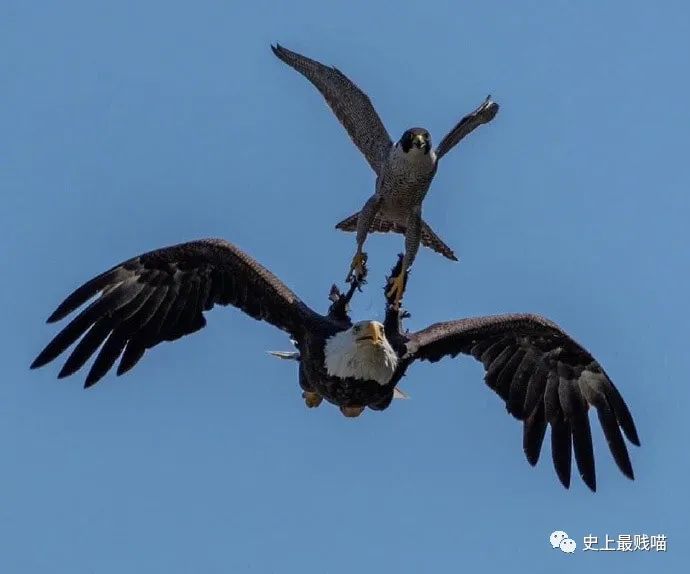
(361,352)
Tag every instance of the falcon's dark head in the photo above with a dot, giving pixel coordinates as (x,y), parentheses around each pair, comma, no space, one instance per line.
(416,138)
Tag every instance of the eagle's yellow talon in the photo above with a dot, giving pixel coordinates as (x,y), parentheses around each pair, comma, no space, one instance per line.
(312,400)
(352,412)
(396,289)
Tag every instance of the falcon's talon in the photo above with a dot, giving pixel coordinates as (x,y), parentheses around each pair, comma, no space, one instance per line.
(352,411)
(312,400)
(396,289)
(358,269)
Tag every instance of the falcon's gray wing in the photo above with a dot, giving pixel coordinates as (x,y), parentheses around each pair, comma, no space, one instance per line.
(350,105)
(160,296)
(544,377)
(482,115)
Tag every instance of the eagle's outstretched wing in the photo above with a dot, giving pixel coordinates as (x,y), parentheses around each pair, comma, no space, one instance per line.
(482,115)
(160,296)
(350,105)
(544,377)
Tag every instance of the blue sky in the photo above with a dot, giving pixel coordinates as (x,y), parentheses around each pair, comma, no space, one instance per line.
(132,125)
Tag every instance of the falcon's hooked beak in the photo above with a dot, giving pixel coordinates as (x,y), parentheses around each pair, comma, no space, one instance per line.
(419,141)
(371,332)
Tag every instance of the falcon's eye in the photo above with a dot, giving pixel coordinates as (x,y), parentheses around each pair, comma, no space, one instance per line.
(356,328)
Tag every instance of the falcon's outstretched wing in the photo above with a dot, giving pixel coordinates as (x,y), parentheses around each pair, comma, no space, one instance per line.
(350,105)
(545,378)
(482,115)
(160,296)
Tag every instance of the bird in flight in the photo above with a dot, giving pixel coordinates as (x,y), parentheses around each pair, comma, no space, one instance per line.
(404,170)
(543,376)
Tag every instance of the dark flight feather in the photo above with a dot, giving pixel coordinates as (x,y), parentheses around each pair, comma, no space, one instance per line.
(351,106)
(161,296)
(545,378)
(483,114)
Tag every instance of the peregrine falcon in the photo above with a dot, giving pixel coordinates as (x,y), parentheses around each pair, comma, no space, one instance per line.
(404,170)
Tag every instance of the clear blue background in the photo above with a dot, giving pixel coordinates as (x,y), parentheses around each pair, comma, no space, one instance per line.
(126,126)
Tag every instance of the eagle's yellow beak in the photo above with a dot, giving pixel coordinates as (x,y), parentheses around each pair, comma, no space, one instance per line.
(419,140)
(372,332)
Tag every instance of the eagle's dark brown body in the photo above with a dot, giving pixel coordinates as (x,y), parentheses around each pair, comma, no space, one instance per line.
(348,392)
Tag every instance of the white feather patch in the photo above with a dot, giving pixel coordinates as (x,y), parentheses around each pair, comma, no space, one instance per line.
(348,358)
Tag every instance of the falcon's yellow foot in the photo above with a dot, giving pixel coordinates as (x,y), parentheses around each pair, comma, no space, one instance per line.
(357,267)
(352,412)
(312,400)
(396,289)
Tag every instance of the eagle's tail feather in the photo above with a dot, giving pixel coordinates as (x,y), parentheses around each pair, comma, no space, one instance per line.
(382,225)
(286,355)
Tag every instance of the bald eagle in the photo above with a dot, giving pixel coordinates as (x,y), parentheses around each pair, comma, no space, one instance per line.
(544,376)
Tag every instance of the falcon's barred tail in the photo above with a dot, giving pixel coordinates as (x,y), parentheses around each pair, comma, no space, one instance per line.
(429,238)
(433,241)
(349,223)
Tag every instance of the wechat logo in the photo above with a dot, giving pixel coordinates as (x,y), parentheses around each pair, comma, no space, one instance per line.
(560,539)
